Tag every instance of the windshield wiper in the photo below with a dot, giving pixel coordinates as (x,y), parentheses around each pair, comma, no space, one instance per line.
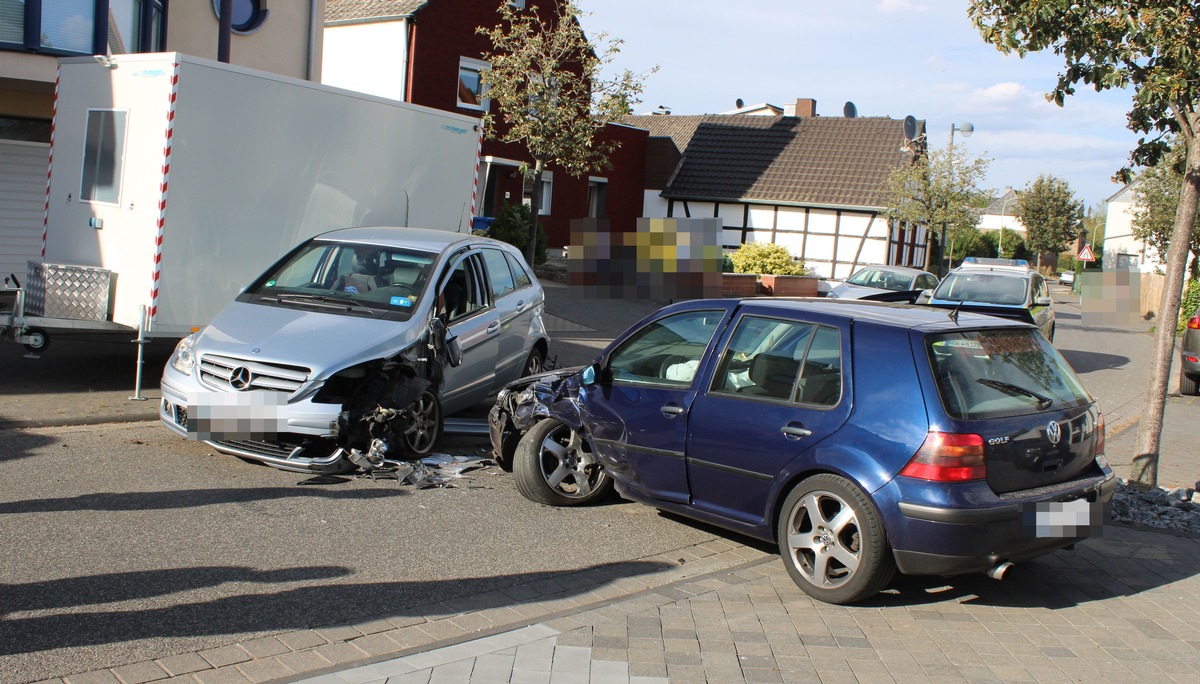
(320,299)
(1015,390)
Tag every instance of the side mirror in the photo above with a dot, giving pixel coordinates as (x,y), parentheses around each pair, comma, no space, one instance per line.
(439,332)
(589,375)
(1043,301)
(453,351)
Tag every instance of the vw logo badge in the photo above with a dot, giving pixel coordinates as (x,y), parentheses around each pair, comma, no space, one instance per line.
(240,379)
(1053,432)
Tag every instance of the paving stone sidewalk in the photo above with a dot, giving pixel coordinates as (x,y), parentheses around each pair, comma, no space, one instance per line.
(1118,608)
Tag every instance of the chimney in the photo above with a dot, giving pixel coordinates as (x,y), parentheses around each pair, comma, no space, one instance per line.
(806,106)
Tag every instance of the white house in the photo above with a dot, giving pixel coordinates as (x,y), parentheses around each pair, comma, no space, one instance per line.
(1001,215)
(1123,251)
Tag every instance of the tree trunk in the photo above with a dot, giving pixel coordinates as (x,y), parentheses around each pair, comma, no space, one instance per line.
(535,201)
(1144,471)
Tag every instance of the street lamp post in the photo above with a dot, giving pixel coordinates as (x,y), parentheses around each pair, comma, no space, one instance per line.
(966,129)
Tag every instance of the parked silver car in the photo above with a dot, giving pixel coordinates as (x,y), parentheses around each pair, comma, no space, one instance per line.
(356,344)
(1189,357)
(880,282)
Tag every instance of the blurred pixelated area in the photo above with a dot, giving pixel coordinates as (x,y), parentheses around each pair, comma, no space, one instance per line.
(1110,298)
(675,258)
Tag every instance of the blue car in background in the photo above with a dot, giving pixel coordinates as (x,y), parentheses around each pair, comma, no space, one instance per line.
(862,437)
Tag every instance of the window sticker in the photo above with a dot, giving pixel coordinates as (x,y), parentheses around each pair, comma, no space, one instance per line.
(402,301)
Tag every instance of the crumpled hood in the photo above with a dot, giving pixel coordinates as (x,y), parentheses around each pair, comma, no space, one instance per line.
(322,342)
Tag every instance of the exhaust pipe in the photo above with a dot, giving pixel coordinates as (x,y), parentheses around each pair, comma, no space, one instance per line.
(998,572)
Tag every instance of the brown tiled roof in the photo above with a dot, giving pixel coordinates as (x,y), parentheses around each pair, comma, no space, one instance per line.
(796,160)
(349,10)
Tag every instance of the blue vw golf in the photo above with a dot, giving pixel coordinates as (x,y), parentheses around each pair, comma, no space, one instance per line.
(862,437)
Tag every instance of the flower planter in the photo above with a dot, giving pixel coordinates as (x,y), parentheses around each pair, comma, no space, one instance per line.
(739,284)
(789,286)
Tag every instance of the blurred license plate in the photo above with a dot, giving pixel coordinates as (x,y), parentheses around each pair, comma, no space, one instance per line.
(241,415)
(1076,518)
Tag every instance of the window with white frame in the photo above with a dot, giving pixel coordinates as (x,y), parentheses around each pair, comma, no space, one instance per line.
(597,197)
(470,84)
(547,187)
(519,4)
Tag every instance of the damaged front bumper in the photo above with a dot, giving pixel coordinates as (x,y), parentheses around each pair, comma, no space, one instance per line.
(366,431)
(521,404)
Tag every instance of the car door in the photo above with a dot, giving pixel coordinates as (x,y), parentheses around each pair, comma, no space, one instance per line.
(515,308)
(780,387)
(465,303)
(638,414)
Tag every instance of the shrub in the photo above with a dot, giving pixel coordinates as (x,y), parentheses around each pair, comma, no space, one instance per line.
(512,226)
(1188,305)
(765,258)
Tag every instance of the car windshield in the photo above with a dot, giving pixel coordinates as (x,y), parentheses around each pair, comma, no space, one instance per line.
(348,276)
(984,287)
(881,279)
(996,373)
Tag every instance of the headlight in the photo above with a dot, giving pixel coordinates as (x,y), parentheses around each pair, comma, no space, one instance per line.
(182,359)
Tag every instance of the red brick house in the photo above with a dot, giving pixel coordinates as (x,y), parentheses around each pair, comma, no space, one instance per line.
(428,52)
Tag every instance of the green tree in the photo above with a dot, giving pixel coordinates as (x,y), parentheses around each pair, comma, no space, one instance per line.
(1051,215)
(1157,193)
(550,97)
(938,190)
(1153,47)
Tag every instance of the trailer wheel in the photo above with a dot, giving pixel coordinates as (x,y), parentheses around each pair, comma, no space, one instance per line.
(40,343)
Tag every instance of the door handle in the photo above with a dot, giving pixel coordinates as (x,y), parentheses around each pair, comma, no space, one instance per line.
(795,432)
(672,410)
(521,306)
(494,327)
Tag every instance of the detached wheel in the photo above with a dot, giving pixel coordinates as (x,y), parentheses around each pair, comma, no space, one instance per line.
(426,426)
(40,340)
(554,465)
(833,542)
(535,363)
(1187,385)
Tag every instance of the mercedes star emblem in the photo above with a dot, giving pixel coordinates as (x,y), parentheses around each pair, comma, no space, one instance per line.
(240,379)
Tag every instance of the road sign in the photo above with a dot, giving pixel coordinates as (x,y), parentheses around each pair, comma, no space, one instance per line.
(1085,254)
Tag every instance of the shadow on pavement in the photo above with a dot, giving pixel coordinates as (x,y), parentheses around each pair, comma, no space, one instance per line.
(1086,362)
(1105,567)
(283,610)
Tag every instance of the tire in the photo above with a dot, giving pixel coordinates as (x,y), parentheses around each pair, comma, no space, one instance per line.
(41,341)
(535,363)
(554,465)
(1187,385)
(427,424)
(843,565)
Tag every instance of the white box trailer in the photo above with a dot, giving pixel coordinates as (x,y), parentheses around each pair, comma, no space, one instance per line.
(185,178)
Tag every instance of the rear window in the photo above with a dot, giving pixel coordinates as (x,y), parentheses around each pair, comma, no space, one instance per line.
(997,373)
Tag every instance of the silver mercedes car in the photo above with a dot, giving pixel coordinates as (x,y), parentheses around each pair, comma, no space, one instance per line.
(354,346)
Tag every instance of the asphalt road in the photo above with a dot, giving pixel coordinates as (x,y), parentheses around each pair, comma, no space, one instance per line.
(124,543)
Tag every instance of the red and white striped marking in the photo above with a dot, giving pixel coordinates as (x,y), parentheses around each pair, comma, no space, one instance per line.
(162,196)
(475,182)
(50,162)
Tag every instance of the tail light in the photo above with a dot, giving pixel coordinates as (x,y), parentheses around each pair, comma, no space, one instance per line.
(1194,322)
(1100,435)
(948,457)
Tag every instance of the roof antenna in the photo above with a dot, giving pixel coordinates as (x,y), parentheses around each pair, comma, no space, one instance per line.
(954,313)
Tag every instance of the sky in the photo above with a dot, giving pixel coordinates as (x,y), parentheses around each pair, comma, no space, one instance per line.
(890,58)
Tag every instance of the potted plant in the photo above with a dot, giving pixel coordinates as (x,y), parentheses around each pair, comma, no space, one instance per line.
(778,273)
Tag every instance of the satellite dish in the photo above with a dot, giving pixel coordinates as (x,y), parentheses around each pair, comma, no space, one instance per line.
(739,103)
(849,110)
(910,127)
